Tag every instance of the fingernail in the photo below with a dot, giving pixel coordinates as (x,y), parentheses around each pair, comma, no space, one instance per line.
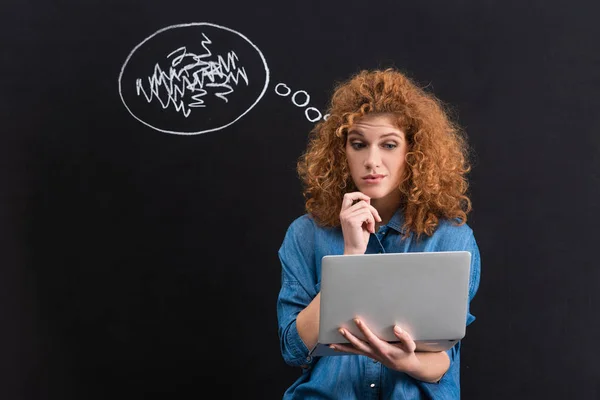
(397,329)
(343,332)
(357,321)
(332,347)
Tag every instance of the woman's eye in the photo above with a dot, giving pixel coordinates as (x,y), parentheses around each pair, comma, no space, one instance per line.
(390,146)
(357,145)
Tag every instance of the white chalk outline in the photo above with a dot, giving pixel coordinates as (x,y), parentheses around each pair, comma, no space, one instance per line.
(312,109)
(306,110)
(307,98)
(267,77)
(284,85)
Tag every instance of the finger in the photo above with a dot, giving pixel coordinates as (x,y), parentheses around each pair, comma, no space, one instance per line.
(375,213)
(369,335)
(372,209)
(367,205)
(405,338)
(356,342)
(350,198)
(359,214)
(359,205)
(371,224)
(360,217)
(346,348)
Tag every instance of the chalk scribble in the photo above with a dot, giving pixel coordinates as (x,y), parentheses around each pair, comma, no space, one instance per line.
(191,77)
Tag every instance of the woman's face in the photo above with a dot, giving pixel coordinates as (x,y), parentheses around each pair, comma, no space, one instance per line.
(376,150)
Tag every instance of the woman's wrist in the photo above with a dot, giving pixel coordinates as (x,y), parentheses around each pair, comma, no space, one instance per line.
(427,367)
(412,366)
(350,250)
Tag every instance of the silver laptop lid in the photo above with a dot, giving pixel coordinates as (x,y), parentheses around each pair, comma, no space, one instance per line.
(426,294)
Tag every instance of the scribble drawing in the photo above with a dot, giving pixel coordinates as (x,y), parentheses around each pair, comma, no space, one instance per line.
(192,73)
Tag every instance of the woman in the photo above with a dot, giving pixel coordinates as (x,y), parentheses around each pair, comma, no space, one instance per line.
(385,173)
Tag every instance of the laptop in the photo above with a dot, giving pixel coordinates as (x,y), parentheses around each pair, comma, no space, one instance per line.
(426,294)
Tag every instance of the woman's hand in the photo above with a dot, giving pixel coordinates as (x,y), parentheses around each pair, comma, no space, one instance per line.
(358,222)
(397,356)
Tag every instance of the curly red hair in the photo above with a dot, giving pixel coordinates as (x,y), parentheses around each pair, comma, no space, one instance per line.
(434,185)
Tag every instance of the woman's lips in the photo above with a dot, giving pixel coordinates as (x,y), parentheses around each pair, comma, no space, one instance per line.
(373,178)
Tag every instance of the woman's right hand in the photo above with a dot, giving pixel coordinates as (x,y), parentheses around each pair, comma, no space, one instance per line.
(358,222)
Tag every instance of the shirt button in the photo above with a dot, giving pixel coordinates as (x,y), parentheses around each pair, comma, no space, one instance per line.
(374,361)
(308,358)
(372,385)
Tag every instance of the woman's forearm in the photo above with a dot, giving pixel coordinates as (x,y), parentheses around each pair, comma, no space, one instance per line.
(307,322)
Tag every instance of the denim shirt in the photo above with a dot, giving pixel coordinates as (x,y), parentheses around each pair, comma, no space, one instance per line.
(357,376)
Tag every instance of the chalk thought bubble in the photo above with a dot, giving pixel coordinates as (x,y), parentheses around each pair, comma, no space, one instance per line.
(193,78)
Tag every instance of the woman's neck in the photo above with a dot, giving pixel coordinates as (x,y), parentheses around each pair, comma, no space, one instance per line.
(386,207)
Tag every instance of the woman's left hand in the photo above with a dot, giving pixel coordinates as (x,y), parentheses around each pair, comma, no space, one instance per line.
(398,356)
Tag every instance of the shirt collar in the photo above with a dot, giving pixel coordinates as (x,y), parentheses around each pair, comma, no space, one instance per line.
(397,220)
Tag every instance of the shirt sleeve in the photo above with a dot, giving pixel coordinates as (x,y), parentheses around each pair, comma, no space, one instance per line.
(298,288)
(474,276)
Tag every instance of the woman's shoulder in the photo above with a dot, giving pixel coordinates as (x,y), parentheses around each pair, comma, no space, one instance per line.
(306,224)
(301,225)
(453,228)
(450,236)
(302,221)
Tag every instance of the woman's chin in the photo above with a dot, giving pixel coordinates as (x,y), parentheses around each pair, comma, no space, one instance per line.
(373,194)
(381,194)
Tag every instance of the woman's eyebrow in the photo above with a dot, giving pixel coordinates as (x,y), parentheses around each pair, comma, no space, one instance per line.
(398,135)
(395,134)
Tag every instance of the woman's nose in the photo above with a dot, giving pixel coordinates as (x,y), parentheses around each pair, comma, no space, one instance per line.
(373,159)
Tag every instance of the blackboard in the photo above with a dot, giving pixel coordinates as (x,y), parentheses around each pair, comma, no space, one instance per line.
(139,225)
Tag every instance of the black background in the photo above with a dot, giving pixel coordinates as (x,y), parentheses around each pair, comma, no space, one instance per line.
(138,264)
